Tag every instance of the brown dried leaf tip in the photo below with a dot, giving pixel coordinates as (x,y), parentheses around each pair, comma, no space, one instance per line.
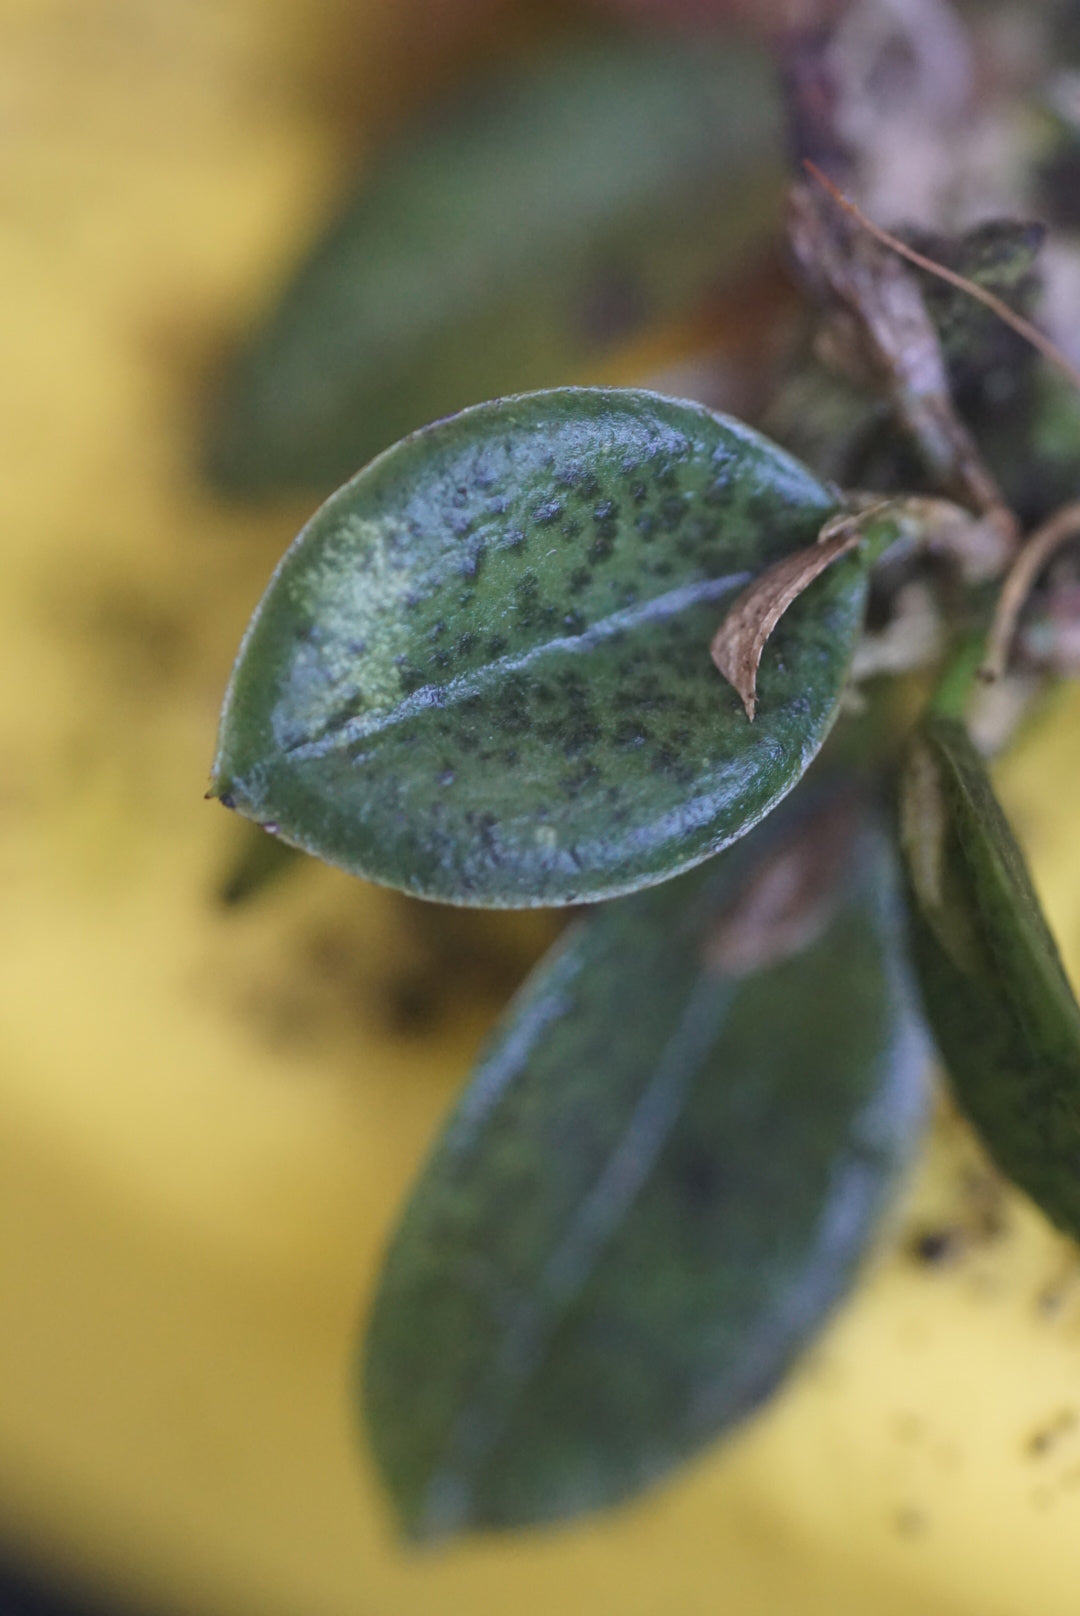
(742,636)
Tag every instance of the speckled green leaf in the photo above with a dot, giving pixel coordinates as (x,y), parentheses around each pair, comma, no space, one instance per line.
(482,672)
(998,1001)
(510,243)
(659,1183)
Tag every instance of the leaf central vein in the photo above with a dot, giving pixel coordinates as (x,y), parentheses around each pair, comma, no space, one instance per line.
(593,1224)
(346,731)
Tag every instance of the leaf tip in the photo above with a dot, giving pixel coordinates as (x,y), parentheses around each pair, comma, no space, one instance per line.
(413,1531)
(433,1517)
(220,791)
(739,672)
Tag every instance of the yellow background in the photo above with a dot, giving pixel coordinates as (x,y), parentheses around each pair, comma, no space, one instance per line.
(207,1118)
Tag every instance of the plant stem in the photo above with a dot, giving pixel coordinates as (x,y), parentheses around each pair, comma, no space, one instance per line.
(1062,527)
(958,676)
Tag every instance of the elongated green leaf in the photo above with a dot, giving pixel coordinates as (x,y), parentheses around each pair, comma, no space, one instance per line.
(658,1184)
(482,672)
(507,245)
(998,1001)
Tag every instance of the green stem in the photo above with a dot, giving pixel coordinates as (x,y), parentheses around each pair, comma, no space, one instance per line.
(958,676)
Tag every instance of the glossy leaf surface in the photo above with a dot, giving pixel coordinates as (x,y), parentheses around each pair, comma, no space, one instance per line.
(658,1184)
(482,672)
(511,243)
(999,1004)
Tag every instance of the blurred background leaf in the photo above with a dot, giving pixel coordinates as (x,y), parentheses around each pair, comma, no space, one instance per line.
(514,240)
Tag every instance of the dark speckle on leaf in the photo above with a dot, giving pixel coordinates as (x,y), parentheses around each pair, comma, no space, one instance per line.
(699,1176)
(472,562)
(672,512)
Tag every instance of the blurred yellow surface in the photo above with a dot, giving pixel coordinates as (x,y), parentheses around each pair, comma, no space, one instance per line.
(208,1117)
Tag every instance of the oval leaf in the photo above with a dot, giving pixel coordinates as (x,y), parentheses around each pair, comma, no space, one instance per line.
(660,1181)
(999,1003)
(511,243)
(482,672)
